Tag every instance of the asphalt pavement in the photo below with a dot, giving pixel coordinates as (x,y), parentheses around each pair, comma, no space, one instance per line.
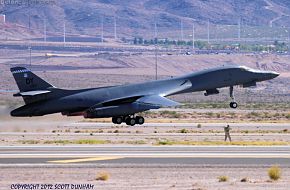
(162,155)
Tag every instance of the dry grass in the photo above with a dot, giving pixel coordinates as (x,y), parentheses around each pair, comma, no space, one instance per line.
(217,143)
(90,141)
(103,176)
(223,178)
(274,173)
(254,116)
(159,142)
(81,141)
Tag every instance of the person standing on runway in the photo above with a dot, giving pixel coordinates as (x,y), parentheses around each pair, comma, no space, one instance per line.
(227,133)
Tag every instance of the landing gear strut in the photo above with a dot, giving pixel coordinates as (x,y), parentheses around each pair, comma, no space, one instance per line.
(233,103)
(129,120)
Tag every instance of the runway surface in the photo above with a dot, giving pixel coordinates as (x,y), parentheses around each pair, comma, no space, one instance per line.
(196,155)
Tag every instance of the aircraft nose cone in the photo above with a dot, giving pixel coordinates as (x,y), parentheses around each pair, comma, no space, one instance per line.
(14,113)
(274,74)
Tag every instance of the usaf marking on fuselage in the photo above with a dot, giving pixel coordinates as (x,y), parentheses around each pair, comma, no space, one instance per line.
(124,101)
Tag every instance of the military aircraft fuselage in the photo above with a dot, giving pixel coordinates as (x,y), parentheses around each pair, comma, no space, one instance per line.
(73,101)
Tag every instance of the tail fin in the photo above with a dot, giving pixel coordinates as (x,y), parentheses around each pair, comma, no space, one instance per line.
(28,81)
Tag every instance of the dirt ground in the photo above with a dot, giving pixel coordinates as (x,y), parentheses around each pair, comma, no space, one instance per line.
(56,129)
(147,177)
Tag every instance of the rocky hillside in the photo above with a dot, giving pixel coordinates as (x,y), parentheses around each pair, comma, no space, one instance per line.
(136,17)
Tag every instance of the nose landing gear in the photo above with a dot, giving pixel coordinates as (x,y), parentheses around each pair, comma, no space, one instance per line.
(233,103)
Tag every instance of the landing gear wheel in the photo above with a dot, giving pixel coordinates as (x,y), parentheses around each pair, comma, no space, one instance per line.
(114,120)
(140,120)
(117,120)
(130,121)
(234,105)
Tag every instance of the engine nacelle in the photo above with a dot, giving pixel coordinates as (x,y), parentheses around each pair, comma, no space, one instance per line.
(119,110)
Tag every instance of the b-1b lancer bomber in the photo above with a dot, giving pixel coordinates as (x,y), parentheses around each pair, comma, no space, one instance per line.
(124,101)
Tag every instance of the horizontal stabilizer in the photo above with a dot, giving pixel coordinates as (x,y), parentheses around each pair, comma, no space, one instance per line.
(157,100)
(32,93)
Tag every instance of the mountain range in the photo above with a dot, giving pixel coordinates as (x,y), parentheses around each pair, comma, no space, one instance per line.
(138,17)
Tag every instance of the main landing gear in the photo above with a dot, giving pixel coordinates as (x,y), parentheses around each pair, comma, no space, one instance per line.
(129,120)
(233,104)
